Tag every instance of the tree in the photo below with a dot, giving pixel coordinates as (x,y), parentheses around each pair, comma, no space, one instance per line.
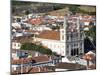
(74,8)
(87,45)
(39,48)
(27,46)
(55,27)
(27,12)
(90,40)
(92,33)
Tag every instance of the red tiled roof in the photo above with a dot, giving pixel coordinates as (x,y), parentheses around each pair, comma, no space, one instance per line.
(51,21)
(20,61)
(32,31)
(89,57)
(41,58)
(87,17)
(87,20)
(46,34)
(34,69)
(37,21)
(29,70)
(38,69)
(92,66)
(71,66)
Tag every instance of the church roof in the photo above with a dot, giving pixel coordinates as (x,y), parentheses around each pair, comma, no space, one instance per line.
(47,34)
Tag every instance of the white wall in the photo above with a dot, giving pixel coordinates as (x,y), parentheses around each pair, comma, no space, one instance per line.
(14,56)
(54,45)
(16,45)
(86,23)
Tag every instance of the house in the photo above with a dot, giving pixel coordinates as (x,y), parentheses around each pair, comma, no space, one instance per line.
(38,62)
(41,28)
(31,70)
(88,21)
(16,19)
(16,45)
(69,67)
(18,40)
(16,25)
(18,53)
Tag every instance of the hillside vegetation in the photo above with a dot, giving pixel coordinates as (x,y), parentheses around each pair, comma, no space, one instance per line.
(50,8)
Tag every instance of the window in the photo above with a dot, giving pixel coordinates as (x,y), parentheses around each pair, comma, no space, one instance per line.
(81,44)
(62,46)
(81,35)
(71,45)
(67,46)
(62,37)
(67,37)
(50,45)
(74,45)
(14,44)
(76,34)
(74,52)
(54,46)
(77,51)
(62,31)
(18,45)
(58,46)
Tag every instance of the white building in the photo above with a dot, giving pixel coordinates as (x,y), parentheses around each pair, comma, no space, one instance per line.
(16,45)
(41,28)
(16,25)
(69,41)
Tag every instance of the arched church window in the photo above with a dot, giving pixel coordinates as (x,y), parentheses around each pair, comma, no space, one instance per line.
(77,51)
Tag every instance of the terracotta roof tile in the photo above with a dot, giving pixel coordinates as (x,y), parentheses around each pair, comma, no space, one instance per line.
(20,61)
(46,34)
(38,59)
(37,21)
(70,66)
(30,70)
(34,69)
(92,66)
(41,58)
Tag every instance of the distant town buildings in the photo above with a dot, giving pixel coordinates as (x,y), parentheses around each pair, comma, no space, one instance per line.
(64,35)
(67,40)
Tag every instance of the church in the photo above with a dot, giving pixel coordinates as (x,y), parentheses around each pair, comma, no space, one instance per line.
(68,41)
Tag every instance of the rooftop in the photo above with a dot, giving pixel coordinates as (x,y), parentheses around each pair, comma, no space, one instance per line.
(70,66)
(46,34)
(36,59)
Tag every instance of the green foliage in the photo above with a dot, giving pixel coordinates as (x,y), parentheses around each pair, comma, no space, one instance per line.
(58,6)
(87,12)
(27,12)
(54,53)
(74,8)
(27,46)
(92,33)
(14,2)
(39,48)
(55,27)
